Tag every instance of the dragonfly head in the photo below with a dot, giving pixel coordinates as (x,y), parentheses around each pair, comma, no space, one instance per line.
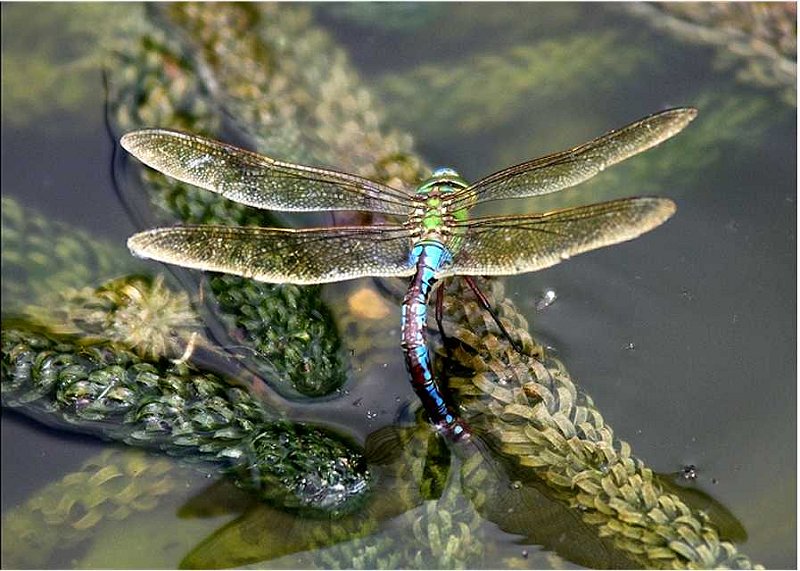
(445,178)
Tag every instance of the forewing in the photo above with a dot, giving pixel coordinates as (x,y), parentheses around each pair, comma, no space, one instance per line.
(281,255)
(562,170)
(517,244)
(256,180)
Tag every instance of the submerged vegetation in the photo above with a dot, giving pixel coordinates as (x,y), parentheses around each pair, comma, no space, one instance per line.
(553,474)
(757,39)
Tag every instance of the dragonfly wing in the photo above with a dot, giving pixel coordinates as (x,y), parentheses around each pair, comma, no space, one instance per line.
(276,255)
(256,180)
(562,170)
(505,245)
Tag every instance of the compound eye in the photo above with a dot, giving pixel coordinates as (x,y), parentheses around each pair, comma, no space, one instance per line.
(445,171)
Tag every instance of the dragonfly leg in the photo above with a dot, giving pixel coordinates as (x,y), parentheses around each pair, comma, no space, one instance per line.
(487,306)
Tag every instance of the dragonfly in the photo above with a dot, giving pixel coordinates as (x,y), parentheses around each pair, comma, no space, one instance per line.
(430,237)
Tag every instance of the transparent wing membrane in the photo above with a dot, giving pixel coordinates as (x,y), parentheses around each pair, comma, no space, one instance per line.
(565,169)
(517,244)
(281,255)
(256,180)
(483,246)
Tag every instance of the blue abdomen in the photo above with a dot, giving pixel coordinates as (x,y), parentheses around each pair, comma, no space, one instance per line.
(428,257)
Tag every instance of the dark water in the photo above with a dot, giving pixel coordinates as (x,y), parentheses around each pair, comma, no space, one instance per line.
(685,338)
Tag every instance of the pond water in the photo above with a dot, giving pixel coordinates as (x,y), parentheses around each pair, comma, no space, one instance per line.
(685,338)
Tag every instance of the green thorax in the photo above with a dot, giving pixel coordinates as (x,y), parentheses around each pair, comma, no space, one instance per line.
(434,217)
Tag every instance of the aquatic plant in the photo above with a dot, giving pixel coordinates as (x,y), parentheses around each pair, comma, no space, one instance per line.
(525,401)
(552,429)
(181,100)
(757,39)
(42,256)
(489,91)
(101,387)
(58,72)
(62,515)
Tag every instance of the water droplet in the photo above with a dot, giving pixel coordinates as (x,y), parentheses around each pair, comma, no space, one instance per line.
(630,346)
(689,472)
(547,299)
(524,553)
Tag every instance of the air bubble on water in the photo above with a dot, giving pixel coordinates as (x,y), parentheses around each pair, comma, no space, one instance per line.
(372,415)
(546,299)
